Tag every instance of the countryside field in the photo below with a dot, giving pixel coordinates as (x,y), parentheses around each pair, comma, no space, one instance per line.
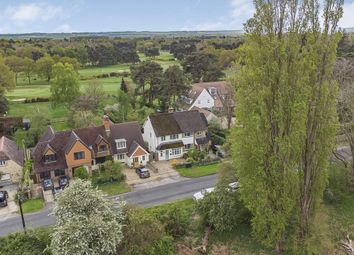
(58,115)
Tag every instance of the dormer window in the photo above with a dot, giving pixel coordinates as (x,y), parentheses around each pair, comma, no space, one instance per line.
(121,143)
(49,158)
(212,91)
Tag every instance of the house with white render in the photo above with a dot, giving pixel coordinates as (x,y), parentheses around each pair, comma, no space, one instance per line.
(170,135)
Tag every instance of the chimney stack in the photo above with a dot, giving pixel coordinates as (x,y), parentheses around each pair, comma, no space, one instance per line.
(106,124)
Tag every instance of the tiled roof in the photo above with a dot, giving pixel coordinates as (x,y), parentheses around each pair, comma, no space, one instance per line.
(61,142)
(10,151)
(178,122)
(223,88)
(170,145)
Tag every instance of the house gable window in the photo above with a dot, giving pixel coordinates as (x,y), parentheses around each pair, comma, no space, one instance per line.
(79,155)
(173,137)
(102,147)
(2,162)
(163,138)
(199,133)
(121,143)
(49,158)
(143,157)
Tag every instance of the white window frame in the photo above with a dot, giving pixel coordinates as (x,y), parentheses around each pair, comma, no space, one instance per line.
(174,137)
(121,156)
(143,157)
(187,134)
(163,138)
(2,162)
(175,150)
(121,143)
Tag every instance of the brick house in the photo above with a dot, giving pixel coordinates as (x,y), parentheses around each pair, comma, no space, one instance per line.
(60,153)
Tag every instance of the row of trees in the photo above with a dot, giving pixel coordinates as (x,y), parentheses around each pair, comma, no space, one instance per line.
(286,103)
(42,66)
(7,82)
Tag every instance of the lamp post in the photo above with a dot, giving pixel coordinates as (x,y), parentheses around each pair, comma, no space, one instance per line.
(20,200)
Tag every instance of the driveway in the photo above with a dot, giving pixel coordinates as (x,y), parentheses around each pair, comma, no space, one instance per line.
(11,206)
(161,173)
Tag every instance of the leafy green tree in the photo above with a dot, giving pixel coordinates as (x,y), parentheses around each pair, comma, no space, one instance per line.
(7,78)
(123,86)
(147,73)
(39,124)
(143,234)
(15,64)
(44,67)
(174,84)
(81,173)
(4,105)
(71,61)
(65,86)
(28,68)
(286,106)
(202,67)
(86,223)
(33,241)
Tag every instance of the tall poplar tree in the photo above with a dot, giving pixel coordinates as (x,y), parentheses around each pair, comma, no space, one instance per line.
(286,107)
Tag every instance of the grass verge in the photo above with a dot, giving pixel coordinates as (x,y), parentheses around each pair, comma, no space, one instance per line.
(199,171)
(32,205)
(114,188)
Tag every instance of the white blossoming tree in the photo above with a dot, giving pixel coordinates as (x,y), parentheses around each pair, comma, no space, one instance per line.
(86,223)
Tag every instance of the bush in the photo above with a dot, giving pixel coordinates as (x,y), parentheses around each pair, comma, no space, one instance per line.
(175,220)
(81,173)
(223,210)
(142,233)
(164,246)
(34,242)
(109,172)
(338,183)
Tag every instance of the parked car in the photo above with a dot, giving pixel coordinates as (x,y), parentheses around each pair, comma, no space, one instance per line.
(3,198)
(232,187)
(63,181)
(48,184)
(143,172)
(200,195)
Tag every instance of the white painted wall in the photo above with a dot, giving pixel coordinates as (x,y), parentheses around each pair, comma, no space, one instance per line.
(149,135)
(204,100)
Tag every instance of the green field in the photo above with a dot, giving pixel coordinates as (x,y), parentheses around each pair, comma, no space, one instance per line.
(114,188)
(58,115)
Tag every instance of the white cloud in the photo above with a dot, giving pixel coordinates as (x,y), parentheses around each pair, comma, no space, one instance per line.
(32,12)
(63,28)
(348,17)
(242,9)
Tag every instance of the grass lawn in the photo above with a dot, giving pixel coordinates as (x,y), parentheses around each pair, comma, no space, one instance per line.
(32,205)
(198,171)
(114,188)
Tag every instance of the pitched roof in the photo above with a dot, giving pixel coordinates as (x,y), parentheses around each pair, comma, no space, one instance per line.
(61,142)
(223,88)
(10,151)
(178,122)
(204,111)
(170,145)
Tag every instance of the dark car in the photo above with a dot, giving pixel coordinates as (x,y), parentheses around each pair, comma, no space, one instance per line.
(48,184)
(3,198)
(143,172)
(63,181)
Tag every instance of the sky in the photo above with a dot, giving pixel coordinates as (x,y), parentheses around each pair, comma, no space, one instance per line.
(56,16)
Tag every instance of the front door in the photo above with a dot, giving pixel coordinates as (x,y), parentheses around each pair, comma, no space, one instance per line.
(136,161)
(167,153)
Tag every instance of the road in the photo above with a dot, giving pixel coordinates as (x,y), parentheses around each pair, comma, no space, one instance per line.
(144,198)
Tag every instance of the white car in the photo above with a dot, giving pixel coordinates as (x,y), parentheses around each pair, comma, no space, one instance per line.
(200,195)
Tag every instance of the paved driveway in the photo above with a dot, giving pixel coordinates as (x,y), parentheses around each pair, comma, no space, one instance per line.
(161,173)
(11,206)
